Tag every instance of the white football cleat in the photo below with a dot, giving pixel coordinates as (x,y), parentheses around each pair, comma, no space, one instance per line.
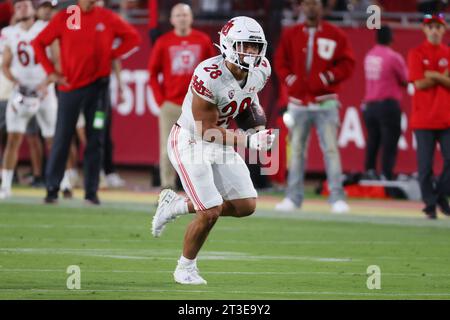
(340,207)
(286,205)
(113,180)
(5,193)
(164,213)
(188,275)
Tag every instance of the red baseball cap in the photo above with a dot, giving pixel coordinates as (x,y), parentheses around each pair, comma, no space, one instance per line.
(430,18)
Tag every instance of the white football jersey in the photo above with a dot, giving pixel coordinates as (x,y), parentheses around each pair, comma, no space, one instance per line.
(24,67)
(214,82)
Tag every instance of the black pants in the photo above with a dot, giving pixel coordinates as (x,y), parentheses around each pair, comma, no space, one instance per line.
(433,191)
(89,99)
(383,122)
(108,165)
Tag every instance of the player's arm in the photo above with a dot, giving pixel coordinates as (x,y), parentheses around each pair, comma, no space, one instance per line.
(424,84)
(6,65)
(417,72)
(206,116)
(440,78)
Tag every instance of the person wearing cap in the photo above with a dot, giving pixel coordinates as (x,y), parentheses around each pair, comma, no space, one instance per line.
(83,85)
(46,9)
(428,66)
(386,77)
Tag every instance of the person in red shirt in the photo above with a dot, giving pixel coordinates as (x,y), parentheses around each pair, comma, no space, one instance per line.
(175,55)
(428,66)
(86,38)
(313,58)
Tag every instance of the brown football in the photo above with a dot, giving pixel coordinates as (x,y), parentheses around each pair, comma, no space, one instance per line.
(251,117)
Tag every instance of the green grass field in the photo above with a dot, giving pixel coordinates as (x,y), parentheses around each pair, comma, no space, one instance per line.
(307,255)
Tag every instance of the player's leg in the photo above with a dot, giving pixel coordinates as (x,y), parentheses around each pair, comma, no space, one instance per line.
(46,119)
(238,208)
(15,126)
(197,231)
(36,151)
(192,159)
(233,181)
(14,141)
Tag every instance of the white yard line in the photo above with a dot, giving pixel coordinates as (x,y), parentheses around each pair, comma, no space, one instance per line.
(275,273)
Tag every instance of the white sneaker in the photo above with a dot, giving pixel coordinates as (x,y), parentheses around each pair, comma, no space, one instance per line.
(286,205)
(113,180)
(188,275)
(164,213)
(340,207)
(4,194)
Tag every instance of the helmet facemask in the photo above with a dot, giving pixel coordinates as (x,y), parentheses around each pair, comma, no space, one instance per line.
(248,61)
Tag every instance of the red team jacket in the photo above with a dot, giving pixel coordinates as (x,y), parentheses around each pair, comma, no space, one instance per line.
(176,58)
(333,61)
(430,107)
(86,53)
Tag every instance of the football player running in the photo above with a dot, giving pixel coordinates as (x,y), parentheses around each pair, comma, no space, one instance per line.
(221,88)
(31,95)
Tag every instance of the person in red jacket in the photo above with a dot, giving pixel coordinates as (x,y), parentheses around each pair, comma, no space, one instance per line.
(428,66)
(175,55)
(86,37)
(313,58)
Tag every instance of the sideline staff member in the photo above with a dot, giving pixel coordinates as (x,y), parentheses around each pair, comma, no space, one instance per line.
(175,56)
(428,66)
(86,57)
